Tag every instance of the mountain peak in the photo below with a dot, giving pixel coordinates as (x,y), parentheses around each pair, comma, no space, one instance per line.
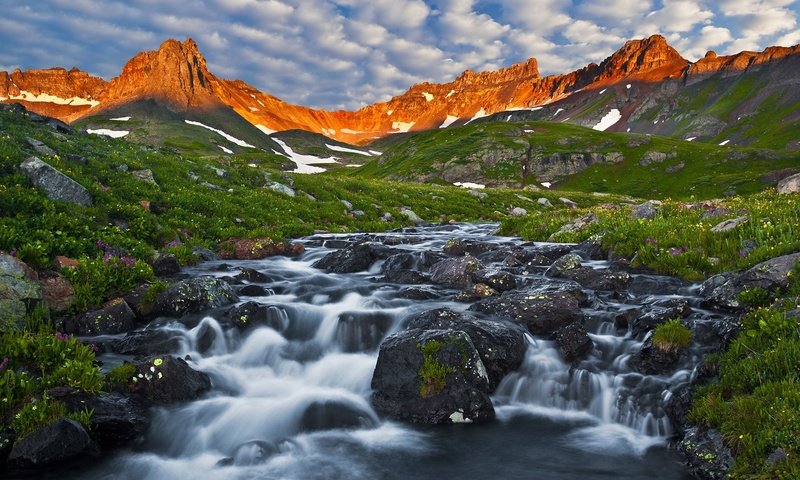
(638,57)
(176,75)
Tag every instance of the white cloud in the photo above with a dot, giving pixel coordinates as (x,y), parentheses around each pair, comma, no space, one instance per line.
(674,16)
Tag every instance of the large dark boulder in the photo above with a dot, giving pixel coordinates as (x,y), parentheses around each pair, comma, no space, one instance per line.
(354,258)
(19,292)
(573,342)
(147,342)
(458,247)
(501,345)
(193,296)
(541,312)
(598,279)
(499,280)
(659,313)
(333,414)
(165,265)
(455,272)
(55,184)
(653,360)
(253,314)
(433,376)
(706,453)
(564,264)
(770,275)
(116,418)
(116,316)
(62,440)
(167,379)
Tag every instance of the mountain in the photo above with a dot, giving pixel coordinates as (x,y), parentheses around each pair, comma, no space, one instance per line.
(645,87)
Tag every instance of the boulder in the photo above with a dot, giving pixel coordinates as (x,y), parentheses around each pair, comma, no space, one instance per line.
(775,176)
(413,217)
(569,261)
(455,272)
(165,265)
(770,275)
(334,414)
(599,279)
(652,360)
(145,176)
(433,377)
(544,202)
(501,345)
(19,292)
(62,440)
(789,184)
(706,453)
(646,210)
(55,184)
(281,188)
(573,342)
(147,342)
(458,247)
(518,212)
(253,314)
(730,224)
(354,258)
(418,293)
(193,296)
(40,147)
(116,316)
(166,379)
(541,312)
(204,254)
(250,275)
(253,291)
(499,280)
(650,158)
(116,418)
(569,203)
(575,226)
(256,248)
(57,292)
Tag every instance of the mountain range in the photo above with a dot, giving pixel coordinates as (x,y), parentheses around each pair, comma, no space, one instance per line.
(645,87)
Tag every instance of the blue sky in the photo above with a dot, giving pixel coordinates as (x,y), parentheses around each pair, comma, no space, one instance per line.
(347,53)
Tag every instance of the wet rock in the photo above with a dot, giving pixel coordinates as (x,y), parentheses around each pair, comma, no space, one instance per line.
(569,261)
(730,224)
(194,296)
(432,377)
(418,293)
(455,272)
(575,226)
(354,258)
(62,440)
(167,379)
(254,314)
(501,345)
(458,247)
(204,254)
(250,275)
(20,292)
(706,453)
(250,453)
(659,313)
(334,414)
(496,279)
(57,292)
(141,302)
(407,277)
(256,248)
(116,418)
(652,360)
(655,285)
(116,316)
(646,210)
(789,184)
(770,275)
(677,407)
(541,312)
(625,318)
(602,279)
(573,342)
(362,331)
(591,249)
(143,343)
(165,265)
(253,291)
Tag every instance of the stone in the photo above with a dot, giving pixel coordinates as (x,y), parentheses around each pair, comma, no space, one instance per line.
(166,379)
(147,342)
(413,217)
(706,453)
(165,265)
(347,205)
(116,418)
(57,292)
(575,226)
(498,280)
(770,275)
(650,158)
(646,211)
(362,331)
(730,224)
(40,147)
(569,261)
(573,342)
(281,188)
(598,279)
(455,272)
(115,317)
(354,258)
(569,203)
(20,292)
(335,414)
(145,176)
(204,254)
(518,212)
(675,168)
(55,184)
(789,184)
(541,312)
(256,248)
(775,176)
(544,202)
(250,275)
(652,360)
(194,295)
(431,377)
(62,440)
(458,247)
(253,314)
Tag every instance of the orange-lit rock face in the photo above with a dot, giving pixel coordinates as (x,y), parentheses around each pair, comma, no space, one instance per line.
(176,76)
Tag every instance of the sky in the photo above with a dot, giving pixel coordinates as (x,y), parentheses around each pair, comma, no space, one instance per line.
(343,54)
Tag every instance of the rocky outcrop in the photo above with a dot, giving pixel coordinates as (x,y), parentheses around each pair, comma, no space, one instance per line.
(55,184)
(789,184)
(770,275)
(20,292)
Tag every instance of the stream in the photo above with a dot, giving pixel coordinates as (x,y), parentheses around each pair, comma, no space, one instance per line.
(293,402)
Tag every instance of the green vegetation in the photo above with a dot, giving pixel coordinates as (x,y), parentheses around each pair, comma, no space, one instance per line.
(671,336)
(122,374)
(432,373)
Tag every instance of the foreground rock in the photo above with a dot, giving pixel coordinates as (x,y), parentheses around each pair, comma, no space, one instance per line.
(116,419)
(770,275)
(193,296)
(433,377)
(62,440)
(55,184)
(166,379)
(542,312)
(19,292)
(354,258)
(706,453)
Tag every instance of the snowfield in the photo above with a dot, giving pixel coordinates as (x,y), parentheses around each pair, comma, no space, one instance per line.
(227,137)
(109,133)
(609,120)
(304,162)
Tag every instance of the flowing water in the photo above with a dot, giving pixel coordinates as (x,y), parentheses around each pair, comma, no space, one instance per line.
(292,402)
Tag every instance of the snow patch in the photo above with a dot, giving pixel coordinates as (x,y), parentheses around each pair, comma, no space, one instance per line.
(120,119)
(375,152)
(690,139)
(628,130)
(722,144)
(558,111)
(225,149)
(610,119)
(450,94)
(602,91)
(469,185)
(481,113)
(546,184)
(528,131)
(351,132)
(43,97)
(428,96)
(259,102)
(266,130)
(390,112)
(304,162)
(353,165)
(227,137)
(109,133)
(448,121)
(337,148)
(328,132)
(628,86)
(508,119)
(402,127)
(536,108)
(253,109)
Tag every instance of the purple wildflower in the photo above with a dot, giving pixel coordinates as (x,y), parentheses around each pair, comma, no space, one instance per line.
(63,336)
(13,253)
(128,261)
(650,241)
(4,364)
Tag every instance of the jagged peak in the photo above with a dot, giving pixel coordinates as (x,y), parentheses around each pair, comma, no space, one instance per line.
(527,69)
(641,56)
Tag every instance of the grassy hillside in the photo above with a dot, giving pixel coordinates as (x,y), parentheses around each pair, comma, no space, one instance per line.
(521,153)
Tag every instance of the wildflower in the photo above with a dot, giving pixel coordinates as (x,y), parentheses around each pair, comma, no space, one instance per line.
(4,364)
(650,241)
(128,260)
(62,336)
(13,252)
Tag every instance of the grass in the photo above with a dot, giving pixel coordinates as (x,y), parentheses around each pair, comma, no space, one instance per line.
(432,373)
(671,336)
